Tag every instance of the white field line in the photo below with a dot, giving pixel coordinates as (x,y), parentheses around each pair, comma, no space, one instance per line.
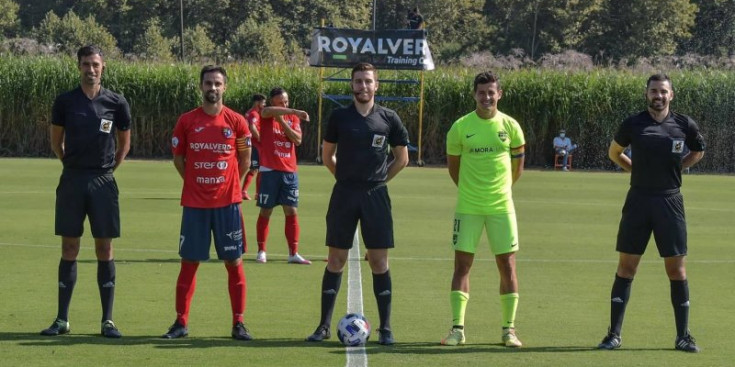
(356,356)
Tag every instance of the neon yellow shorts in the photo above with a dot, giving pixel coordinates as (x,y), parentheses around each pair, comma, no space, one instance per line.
(501,230)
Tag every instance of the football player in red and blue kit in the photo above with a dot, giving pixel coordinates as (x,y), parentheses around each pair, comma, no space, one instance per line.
(280,134)
(211,148)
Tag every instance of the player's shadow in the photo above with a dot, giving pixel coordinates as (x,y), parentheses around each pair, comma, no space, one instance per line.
(436,348)
(36,340)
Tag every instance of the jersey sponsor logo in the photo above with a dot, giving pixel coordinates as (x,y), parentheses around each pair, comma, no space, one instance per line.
(222,165)
(105,126)
(503,136)
(677,146)
(482,150)
(175,141)
(230,248)
(198,129)
(283,154)
(227,132)
(210,180)
(284,144)
(235,235)
(214,147)
(378,141)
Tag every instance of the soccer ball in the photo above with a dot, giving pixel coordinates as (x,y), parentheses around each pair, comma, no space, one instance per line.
(353,330)
(563,152)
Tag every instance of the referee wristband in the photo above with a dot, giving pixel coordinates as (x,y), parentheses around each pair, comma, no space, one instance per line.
(519,155)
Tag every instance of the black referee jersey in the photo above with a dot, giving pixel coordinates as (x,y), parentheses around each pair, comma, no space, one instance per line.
(658,148)
(89,127)
(363,142)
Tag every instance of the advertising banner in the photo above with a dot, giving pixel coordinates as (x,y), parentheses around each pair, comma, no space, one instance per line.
(402,49)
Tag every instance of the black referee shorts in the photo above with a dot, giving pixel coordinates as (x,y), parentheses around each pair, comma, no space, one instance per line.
(82,194)
(663,215)
(370,206)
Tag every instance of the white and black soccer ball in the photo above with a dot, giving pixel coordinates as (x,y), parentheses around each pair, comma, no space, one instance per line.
(353,330)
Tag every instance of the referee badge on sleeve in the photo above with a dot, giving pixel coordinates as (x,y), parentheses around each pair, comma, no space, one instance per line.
(105,126)
(677,146)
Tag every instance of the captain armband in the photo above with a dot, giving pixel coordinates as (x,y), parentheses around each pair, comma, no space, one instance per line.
(243,143)
(519,155)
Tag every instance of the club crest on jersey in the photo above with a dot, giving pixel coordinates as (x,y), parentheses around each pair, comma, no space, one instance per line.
(105,126)
(503,136)
(175,141)
(378,141)
(227,132)
(677,146)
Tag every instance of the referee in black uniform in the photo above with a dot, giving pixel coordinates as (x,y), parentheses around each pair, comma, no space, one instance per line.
(658,138)
(364,133)
(90,134)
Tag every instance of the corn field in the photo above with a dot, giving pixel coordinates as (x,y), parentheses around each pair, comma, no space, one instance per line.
(589,104)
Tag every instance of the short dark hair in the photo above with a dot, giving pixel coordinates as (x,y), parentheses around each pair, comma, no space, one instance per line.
(277,91)
(87,51)
(659,77)
(364,66)
(486,77)
(212,69)
(257,97)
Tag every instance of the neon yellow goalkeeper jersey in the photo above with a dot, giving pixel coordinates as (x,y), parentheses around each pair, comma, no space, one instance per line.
(485,174)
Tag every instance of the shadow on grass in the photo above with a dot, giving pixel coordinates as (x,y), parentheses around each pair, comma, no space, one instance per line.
(34,340)
(436,348)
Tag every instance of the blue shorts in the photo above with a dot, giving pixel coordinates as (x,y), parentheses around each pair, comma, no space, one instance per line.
(278,188)
(198,225)
(254,158)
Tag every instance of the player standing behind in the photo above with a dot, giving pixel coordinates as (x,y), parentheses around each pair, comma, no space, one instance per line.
(658,138)
(211,147)
(280,134)
(253,118)
(363,131)
(485,151)
(90,134)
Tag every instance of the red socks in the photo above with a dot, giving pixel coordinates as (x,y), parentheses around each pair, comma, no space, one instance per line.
(238,289)
(261,229)
(185,286)
(292,234)
(248,178)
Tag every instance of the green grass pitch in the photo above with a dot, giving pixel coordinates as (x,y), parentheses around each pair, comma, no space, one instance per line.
(567,221)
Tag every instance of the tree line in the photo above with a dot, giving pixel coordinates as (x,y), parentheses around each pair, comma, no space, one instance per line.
(278,31)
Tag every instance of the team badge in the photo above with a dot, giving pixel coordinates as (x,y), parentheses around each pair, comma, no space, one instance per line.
(227,132)
(105,126)
(677,146)
(175,141)
(503,136)
(378,141)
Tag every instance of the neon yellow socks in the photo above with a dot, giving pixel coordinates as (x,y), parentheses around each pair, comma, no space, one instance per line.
(509,305)
(458,300)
